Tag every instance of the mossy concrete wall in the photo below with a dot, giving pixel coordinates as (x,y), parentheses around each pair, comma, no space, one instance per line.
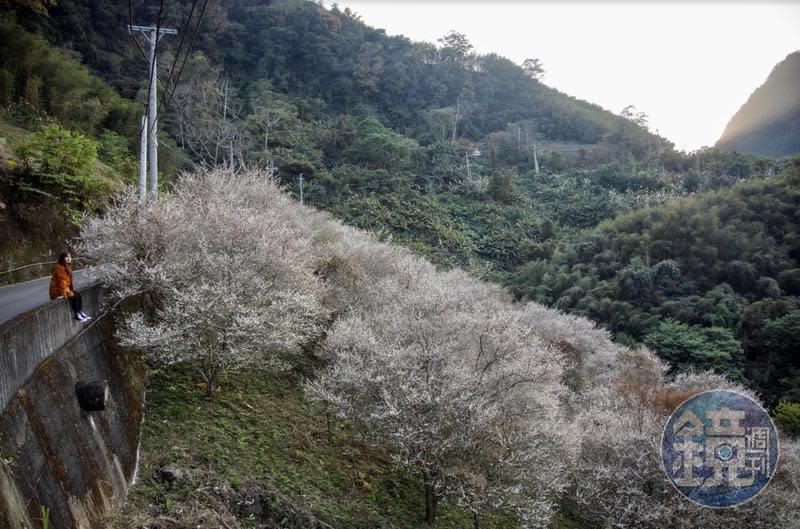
(54,457)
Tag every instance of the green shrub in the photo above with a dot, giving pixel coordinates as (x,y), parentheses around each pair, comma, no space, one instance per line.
(501,186)
(113,149)
(58,165)
(689,348)
(378,147)
(786,416)
(789,281)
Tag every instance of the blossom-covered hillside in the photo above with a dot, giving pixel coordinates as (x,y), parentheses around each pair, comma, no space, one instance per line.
(482,410)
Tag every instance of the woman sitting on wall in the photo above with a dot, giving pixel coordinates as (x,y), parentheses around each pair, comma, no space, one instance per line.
(61,286)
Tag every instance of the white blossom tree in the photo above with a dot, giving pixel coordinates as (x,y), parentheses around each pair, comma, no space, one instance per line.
(441,369)
(228,264)
(619,479)
(619,402)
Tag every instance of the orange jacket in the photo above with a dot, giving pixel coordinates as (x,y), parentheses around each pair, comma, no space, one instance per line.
(61,282)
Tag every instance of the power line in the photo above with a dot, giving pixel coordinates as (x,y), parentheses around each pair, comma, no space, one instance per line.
(180,44)
(188,52)
(152,86)
(151,123)
(164,85)
(154,79)
(170,87)
(130,23)
(139,46)
(178,156)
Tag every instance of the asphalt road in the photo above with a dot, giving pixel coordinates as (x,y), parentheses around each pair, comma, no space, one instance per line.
(22,297)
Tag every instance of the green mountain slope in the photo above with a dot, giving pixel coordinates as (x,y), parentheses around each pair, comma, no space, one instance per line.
(768,123)
(709,281)
(304,49)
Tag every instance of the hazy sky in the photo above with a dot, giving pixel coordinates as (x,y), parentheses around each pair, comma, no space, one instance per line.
(689,66)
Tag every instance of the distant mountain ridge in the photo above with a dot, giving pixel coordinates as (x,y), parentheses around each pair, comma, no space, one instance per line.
(769,122)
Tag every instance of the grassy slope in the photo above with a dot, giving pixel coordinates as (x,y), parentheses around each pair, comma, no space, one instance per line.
(260,456)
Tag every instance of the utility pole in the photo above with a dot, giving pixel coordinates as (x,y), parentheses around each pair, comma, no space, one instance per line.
(224,120)
(301,188)
(153,35)
(469,173)
(528,135)
(143,161)
(456,117)
(225,104)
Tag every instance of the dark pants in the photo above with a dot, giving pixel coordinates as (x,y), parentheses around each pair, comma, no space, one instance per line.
(75,303)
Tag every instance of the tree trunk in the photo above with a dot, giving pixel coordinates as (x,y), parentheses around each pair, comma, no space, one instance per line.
(211,377)
(430,505)
(329,427)
(431,501)
(475,521)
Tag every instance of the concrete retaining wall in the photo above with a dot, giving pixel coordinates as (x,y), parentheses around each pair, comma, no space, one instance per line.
(27,340)
(53,456)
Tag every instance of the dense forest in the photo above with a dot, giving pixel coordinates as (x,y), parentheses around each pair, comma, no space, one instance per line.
(329,61)
(709,282)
